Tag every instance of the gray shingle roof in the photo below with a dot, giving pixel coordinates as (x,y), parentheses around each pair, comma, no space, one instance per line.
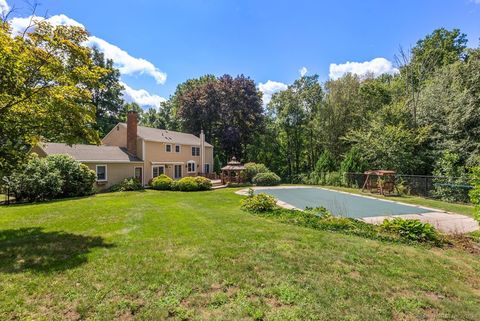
(167,136)
(93,153)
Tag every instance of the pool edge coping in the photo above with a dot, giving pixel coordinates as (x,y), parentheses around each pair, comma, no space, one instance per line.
(244,192)
(369,219)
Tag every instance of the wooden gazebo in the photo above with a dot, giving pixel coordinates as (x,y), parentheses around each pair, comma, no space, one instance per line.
(231,172)
(380,181)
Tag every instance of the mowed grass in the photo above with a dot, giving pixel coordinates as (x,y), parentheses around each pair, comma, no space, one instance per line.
(169,255)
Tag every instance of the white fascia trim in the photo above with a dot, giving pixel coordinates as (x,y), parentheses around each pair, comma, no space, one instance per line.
(174,142)
(167,163)
(108,161)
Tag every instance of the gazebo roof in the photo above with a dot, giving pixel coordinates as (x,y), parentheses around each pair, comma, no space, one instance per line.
(233,165)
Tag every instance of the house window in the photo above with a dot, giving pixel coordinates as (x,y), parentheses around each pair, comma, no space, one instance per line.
(191,167)
(195,151)
(101,171)
(178,171)
(177,148)
(168,148)
(138,174)
(207,168)
(158,170)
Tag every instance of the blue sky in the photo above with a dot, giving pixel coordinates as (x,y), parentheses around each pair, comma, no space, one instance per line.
(166,42)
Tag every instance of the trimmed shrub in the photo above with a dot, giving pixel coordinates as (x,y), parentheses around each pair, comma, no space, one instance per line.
(162,182)
(77,178)
(266,179)
(186,184)
(204,184)
(252,169)
(259,203)
(128,184)
(412,230)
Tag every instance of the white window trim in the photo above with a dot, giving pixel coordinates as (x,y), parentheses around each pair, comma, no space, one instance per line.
(158,166)
(166,151)
(106,173)
(181,170)
(179,149)
(194,166)
(134,169)
(209,168)
(194,154)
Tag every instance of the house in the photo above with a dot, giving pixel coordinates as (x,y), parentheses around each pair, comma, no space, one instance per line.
(129,150)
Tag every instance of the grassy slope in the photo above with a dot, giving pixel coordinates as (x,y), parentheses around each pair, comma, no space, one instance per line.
(156,255)
(465,209)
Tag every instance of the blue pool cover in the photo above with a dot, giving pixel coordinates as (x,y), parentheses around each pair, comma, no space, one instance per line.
(340,204)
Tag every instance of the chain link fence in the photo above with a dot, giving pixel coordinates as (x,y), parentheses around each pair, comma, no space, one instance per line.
(454,189)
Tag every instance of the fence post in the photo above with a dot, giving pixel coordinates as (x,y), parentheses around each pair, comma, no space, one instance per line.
(426,187)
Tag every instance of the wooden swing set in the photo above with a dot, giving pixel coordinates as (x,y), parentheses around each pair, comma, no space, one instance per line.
(380,181)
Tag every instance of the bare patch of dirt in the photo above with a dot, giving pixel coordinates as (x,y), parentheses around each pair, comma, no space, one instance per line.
(465,243)
(72,315)
(355,275)
(434,296)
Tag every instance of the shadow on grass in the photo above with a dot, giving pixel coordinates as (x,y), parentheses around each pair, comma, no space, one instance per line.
(32,249)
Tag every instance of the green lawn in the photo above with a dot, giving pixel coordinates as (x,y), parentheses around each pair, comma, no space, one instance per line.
(160,255)
(465,209)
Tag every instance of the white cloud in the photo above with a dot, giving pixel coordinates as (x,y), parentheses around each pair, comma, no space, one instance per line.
(269,88)
(19,25)
(4,8)
(141,97)
(377,67)
(127,64)
(303,71)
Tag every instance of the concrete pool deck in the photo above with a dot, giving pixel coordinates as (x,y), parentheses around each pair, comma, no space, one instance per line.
(447,222)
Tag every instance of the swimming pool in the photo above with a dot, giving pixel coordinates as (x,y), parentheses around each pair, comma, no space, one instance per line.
(340,203)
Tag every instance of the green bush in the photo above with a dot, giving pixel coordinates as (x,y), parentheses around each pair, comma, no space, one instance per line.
(77,178)
(204,184)
(51,177)
(452,186)
(259,203)
(217,165)
(266,179)
(325,163)
(475,192)
(353,162)
(36,181)
(128,184)
(412,230)
(327,178)
(186,184)
(251,170)
(162,182)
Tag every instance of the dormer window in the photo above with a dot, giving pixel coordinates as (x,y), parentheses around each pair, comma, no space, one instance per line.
(168,148)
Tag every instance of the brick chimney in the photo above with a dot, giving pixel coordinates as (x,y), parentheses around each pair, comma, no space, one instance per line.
(132,122)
